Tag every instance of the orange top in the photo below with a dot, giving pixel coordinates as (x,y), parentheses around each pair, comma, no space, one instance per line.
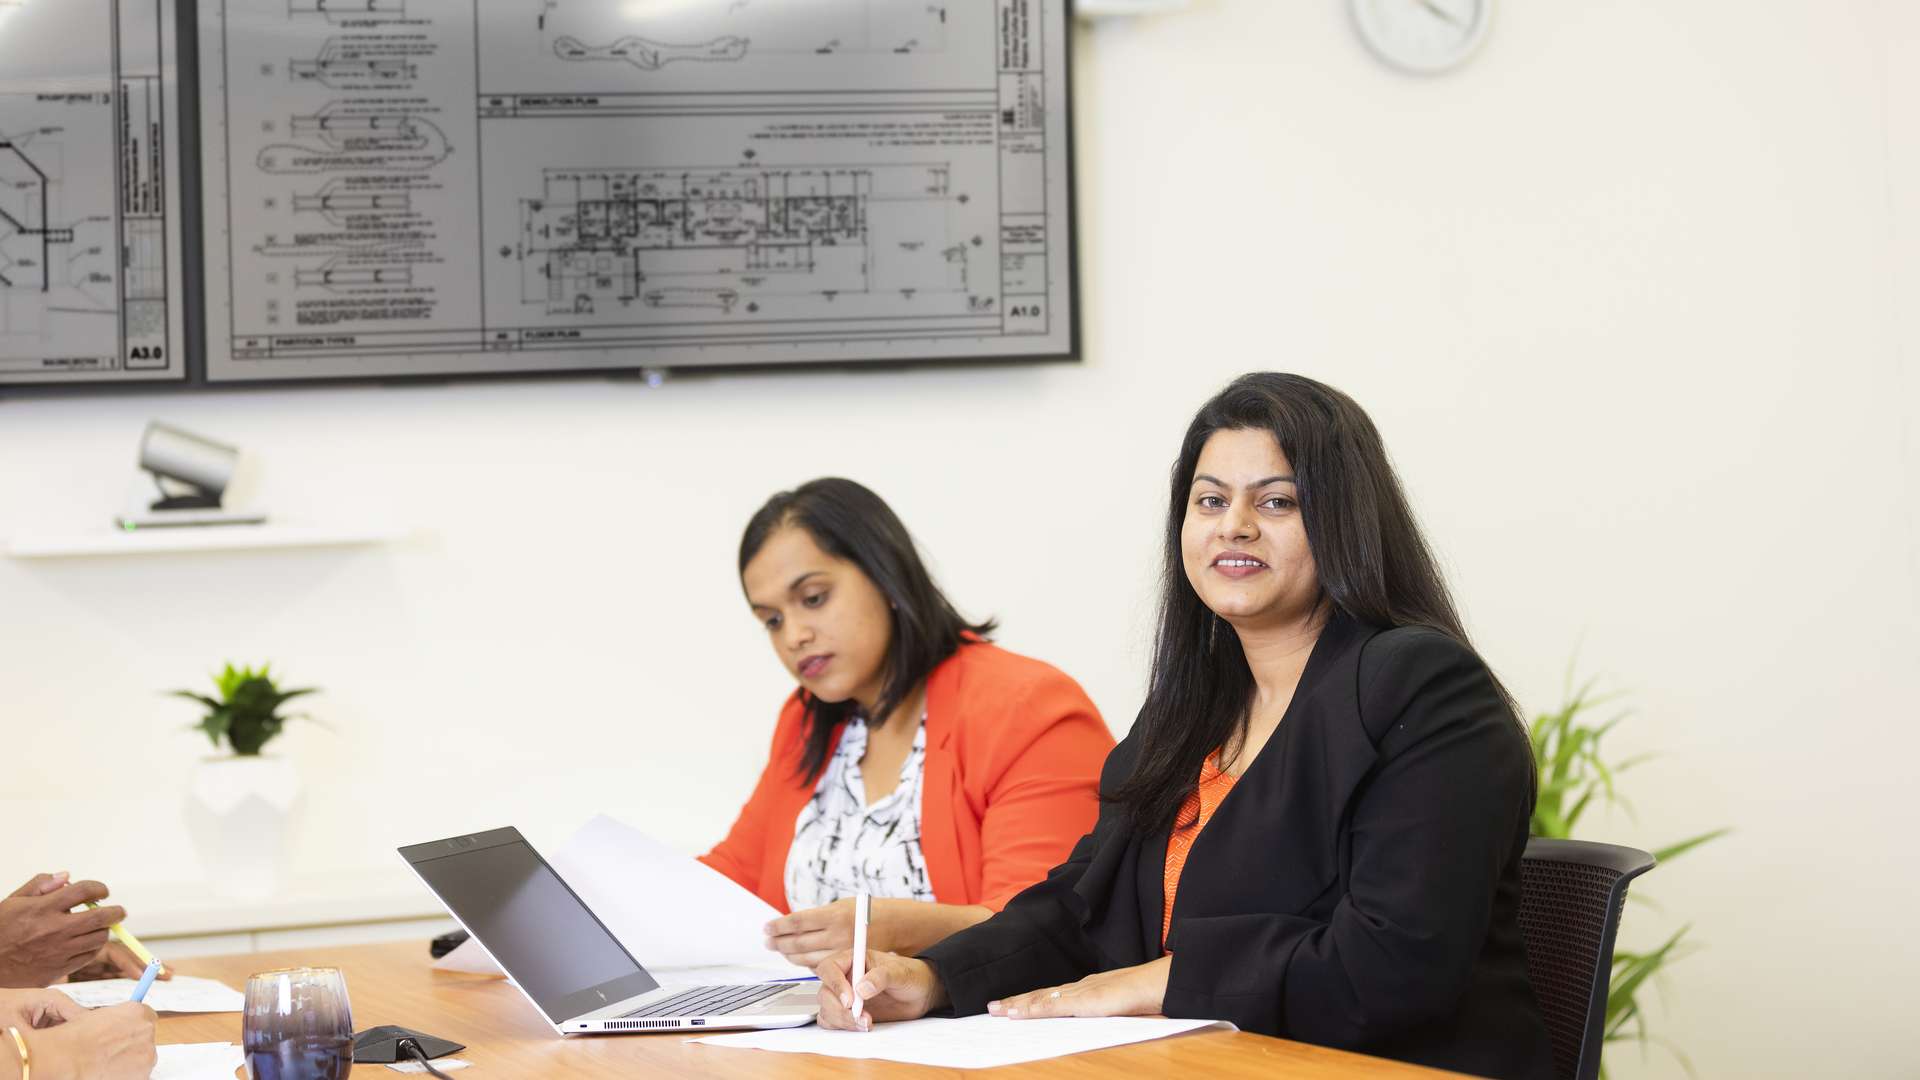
(1193,816)
(1014,749)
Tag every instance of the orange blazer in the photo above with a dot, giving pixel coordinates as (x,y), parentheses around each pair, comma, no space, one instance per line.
(1014,749)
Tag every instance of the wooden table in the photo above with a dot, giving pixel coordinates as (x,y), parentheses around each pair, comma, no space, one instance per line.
(505,1037)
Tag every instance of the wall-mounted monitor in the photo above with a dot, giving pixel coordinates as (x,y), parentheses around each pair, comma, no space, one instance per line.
(91,290)
(394,188)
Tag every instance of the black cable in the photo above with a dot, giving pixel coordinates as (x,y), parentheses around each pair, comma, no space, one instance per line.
(412,1049)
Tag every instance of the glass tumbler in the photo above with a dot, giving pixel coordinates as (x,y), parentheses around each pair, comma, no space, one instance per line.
(298,1025)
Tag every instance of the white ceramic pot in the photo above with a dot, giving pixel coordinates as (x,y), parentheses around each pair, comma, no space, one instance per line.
(240,812)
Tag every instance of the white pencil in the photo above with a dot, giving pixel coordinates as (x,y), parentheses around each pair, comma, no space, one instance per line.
(862,911)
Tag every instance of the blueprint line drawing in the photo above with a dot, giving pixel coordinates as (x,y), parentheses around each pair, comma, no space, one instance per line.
(652,55)
(338,139)
(20,176)
(722,300)
(342,243)
(342,206)
(712,237)
(51,267)
(360,61)
(88,193)
(365,230)
(332,276)
(717,33)
(355,10)
(450,186)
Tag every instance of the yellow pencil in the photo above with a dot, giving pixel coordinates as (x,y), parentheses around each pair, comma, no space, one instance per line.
(126,938)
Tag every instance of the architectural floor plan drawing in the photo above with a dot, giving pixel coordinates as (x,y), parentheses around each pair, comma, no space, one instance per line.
(344,277)
(345,204)
(424,186)
(362,62)
(665,238)
(340,11)
(28,235)
(652,55)
(88,291)
(729,31)
(343,137)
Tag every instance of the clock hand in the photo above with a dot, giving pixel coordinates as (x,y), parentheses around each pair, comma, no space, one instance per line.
(1441,12)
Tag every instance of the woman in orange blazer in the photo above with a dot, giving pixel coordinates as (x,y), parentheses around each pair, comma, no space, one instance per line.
(916,761)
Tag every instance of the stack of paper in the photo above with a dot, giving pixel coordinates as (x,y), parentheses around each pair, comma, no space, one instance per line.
(180,994)
(974,1042)
(198,1061)
(686,922)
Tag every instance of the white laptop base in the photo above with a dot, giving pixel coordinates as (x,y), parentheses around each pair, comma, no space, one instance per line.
(565,961)
(763,1005)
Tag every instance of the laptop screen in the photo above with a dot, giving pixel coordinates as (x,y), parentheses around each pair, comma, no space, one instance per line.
(533,924)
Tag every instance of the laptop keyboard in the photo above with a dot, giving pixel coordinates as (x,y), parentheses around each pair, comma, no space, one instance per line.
(711,1000)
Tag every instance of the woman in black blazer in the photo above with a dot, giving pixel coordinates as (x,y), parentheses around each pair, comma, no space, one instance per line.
(1358,885)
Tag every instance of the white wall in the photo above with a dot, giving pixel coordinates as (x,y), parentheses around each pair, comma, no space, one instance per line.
(1631,298)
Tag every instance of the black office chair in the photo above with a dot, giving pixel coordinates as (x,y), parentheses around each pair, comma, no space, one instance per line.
(1571,894)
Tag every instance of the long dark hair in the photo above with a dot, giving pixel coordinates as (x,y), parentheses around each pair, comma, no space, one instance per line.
(850,522)
(1373,564)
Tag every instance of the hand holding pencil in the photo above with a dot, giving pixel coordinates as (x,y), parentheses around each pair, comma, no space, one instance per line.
(43,939)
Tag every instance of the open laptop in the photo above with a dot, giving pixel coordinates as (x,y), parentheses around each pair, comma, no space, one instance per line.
(566,961)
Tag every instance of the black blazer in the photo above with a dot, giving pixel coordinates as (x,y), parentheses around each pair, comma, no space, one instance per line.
(1359,887)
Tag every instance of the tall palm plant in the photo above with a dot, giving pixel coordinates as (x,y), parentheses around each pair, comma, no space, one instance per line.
(1574,778)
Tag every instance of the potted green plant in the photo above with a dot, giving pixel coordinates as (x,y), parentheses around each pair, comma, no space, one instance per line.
(242,804)
(1574,778)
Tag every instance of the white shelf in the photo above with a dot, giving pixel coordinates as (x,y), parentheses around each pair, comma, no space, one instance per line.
(111,541)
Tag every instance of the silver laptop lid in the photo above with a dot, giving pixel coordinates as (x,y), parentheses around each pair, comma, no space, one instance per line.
(501,890)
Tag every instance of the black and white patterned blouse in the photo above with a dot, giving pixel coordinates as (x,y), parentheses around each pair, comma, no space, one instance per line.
(842,846)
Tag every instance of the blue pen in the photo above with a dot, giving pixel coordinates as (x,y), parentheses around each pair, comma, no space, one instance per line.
(146,980)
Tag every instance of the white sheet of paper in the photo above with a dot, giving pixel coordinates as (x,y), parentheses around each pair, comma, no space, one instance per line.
(669,910)
(729,976)
(198,1061)
(180,994)
(974,1042)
